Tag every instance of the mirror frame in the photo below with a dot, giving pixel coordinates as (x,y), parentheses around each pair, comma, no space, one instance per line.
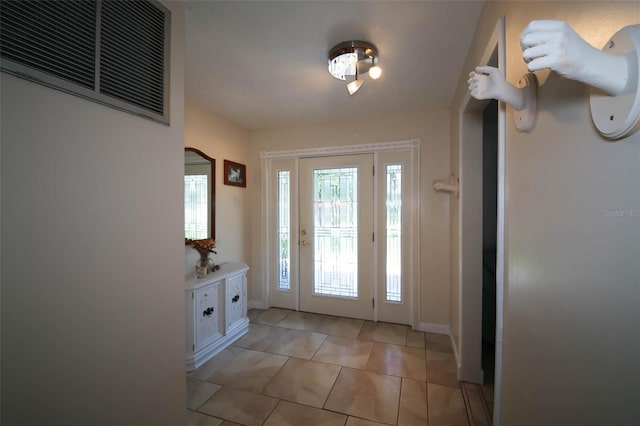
(213,188)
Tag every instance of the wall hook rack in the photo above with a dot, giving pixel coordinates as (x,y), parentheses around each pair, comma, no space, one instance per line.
(450,185)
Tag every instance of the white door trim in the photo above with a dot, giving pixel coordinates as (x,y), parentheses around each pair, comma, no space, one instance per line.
(412,145)
(470,302)
(342,150)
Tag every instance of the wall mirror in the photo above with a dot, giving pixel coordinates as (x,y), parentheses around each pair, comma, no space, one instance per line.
(199,195)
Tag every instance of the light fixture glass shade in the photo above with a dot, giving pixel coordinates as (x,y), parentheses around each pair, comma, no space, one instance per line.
(375,72)
(345,57)
(354,86)
(343,65)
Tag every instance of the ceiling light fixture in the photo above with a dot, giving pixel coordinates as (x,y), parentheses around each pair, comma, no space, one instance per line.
(350,59)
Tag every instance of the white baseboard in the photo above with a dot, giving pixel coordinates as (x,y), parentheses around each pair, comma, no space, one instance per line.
(456,354)
(257,304)
(446,330)
(434,328)
(471,377)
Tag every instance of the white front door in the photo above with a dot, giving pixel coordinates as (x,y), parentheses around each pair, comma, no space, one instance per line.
(343,240)
(336,247)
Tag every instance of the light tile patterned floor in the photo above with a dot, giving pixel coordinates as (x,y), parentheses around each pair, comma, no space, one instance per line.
(295,368)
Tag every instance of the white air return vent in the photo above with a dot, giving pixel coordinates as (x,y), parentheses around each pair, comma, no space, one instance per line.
(110,51)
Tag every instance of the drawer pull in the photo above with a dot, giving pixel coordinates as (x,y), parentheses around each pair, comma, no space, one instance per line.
(235,298)
(207,312)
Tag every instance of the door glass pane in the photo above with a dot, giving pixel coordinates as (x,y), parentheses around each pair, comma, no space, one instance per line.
(284,234)
(196,207)
(394,233)
(335,232)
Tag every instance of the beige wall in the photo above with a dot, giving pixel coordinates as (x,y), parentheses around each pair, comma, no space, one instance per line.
(572,300)
(92,248)
(432,128)
(222,140)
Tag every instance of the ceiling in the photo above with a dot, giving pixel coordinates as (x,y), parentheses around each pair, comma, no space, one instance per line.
(263,64)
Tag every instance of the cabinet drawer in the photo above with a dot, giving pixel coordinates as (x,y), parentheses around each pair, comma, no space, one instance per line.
(207,315)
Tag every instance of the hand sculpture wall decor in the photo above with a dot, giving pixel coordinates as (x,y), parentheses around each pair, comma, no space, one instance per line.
(449,185)
(611,72)
(555,45)
(489,83)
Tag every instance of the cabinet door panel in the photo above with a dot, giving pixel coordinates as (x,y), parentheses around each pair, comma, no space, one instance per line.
(235,299)
(207,313)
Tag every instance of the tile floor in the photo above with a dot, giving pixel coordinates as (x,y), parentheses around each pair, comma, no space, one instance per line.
(302,369)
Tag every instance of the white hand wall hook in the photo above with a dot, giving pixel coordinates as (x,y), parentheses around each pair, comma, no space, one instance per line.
(449,185)
(611,72)
(489,83)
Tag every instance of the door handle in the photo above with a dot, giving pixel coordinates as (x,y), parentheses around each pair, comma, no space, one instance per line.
(305,243)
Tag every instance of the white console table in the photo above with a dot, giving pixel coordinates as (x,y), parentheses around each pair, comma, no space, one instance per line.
(216,310)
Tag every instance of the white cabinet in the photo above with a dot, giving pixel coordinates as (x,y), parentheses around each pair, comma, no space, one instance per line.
(216,309)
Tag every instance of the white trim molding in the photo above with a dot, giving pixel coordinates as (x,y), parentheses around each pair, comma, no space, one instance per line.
(468,352)
(338,150)
(257,304)
(444,329)
(429,327)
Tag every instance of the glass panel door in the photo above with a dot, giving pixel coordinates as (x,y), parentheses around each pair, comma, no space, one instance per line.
(335,231)
(336,235)
(284,230)
(283,235)
(396,235)
(393,233)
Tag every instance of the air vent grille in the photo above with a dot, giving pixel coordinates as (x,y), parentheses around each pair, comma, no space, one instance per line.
(132,53)
(55,37)
(112,51)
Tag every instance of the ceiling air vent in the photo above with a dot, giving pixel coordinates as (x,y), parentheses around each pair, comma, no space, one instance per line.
(110,51)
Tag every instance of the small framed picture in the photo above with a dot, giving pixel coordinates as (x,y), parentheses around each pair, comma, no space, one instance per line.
(235,174)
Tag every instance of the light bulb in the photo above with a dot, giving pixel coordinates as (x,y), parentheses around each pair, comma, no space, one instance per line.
(375,72)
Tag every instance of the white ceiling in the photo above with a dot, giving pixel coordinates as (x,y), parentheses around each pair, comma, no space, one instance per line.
(263,64)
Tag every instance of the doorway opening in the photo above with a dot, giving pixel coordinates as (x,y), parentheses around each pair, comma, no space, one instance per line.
(478,303)
(489,244)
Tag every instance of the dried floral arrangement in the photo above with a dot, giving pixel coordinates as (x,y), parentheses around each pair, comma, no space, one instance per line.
(204,247)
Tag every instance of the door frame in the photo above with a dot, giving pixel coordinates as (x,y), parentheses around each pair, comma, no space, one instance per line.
(412,204)
(469,232)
